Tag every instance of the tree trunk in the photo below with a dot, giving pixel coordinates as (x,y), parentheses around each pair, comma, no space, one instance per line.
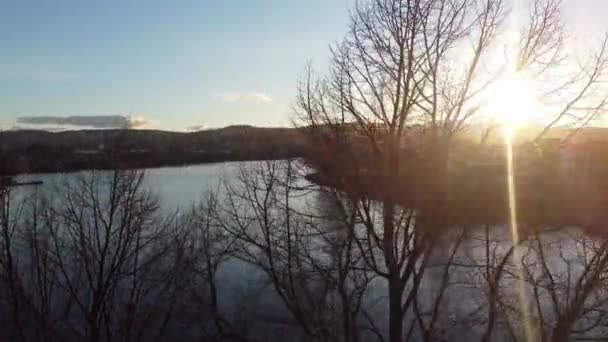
(561,332)
(395,311)
(395,289)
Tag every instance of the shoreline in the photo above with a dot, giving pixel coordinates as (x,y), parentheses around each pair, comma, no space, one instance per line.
(151,166)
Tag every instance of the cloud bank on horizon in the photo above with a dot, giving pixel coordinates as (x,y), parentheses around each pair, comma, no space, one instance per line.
(83,121)
(197,128)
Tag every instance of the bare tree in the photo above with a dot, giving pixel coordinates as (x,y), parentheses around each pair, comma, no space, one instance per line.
(204,249)
(390,73)
(408,77)
(104,242)
(309,258)
(98,260)
(566,273)
(9,217)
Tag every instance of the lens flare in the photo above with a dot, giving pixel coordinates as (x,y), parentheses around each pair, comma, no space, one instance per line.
(511,100)
(529,331)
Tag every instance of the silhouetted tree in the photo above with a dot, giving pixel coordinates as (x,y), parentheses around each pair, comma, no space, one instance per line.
(409,76)
(309,258)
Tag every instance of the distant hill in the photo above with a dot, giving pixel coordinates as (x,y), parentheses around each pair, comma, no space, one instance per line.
(32,151)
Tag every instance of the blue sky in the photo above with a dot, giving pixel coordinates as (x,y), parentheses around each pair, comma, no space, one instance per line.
(176,63)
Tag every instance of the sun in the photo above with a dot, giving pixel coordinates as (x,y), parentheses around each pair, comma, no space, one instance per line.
(511,101)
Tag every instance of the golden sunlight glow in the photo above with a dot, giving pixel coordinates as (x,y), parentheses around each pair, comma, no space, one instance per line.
(511,101)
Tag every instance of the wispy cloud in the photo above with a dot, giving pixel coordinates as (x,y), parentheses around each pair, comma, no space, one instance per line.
(254,97)
(91,121)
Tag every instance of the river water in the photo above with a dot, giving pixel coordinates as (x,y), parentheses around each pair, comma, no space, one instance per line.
(180,187)
(243,291)
(176,187)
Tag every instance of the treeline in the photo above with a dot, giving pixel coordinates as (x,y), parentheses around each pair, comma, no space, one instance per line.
(40,151)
